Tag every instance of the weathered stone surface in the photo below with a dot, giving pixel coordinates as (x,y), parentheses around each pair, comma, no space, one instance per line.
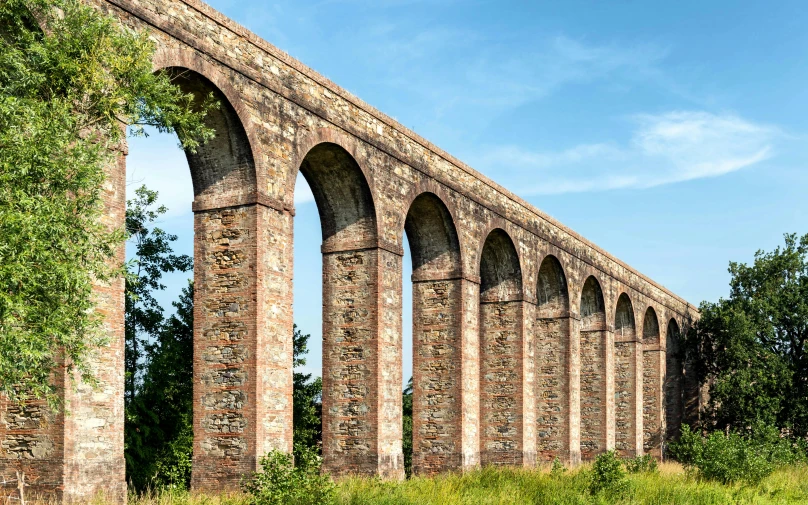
(518,355)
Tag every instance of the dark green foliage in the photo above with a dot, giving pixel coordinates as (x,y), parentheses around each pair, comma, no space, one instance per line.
(306,400)
(608,475)
(288,480)
(65,92)
(751,348)
(159,431)
(731,457)
(407,425)
(641,464)
(153,257)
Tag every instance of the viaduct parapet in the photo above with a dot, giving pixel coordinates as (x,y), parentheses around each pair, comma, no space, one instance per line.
(529,342)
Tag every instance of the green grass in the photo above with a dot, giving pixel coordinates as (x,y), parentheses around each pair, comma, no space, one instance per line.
(517,486)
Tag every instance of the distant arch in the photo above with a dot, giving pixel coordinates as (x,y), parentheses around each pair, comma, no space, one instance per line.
(593,307)
(500,269)
(552,294)
(436,289)
(624,317)
(433,239)
(652,384)
(650,327)
(501,352)
(626,409)
(674,381)
(343,197)
(552,391)
(593,370)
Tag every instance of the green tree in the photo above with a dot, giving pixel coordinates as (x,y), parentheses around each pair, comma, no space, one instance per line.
(71,79)
(159,429)
(153,257)
(306,399)
(406,402)
(750,348)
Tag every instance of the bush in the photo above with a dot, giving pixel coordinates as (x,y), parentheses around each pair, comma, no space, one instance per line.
(282,482)
(608,475)
(731,457)
(641,464)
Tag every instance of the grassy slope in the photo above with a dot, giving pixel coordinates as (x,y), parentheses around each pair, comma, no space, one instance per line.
(514,486)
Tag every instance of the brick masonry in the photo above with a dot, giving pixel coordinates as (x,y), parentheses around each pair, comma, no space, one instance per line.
(521,348)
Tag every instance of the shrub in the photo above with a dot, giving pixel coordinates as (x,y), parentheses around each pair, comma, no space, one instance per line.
(608,475)
(558,468)
(730,457)
(282,482)
(641,464)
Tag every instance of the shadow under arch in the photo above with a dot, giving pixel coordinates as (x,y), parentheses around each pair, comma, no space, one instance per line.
(553,348)
(343,197)
(593,370)
(652,363)
(501,353)
(674,382)
(223,170)
(436,335)
(627,382)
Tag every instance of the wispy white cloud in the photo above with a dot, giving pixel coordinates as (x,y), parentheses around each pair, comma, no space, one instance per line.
(663,149)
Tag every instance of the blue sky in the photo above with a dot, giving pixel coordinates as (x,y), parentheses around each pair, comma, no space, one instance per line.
(672,134)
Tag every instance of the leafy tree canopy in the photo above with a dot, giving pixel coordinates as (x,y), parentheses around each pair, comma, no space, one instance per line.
(750,348)
(71,81)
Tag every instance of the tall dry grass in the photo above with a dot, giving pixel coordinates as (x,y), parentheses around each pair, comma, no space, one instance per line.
(671,485)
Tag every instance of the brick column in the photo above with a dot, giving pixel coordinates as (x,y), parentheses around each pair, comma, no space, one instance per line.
(573,402)
(594,430)
(626,368)
(501,382)
(438,375)
(529,391)
(362,363)
(242,342)
(653,363)
(470,375)
(609,367)
(553,388)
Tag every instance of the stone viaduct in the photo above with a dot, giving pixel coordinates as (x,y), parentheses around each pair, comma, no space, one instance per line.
(529,342)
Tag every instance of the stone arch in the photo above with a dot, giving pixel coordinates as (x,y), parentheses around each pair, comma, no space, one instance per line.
(652,363)
(224,170)
(650,327)
(500,269)
(593,370)
(437,352)
(625,380)
(433,238)
(674,382)
(353,275)
(552,327)
(552,293)
(343,197)
(224,178)
(501,352)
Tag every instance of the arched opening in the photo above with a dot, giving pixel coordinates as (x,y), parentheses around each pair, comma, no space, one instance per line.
(552,368)
(501,353)
(593,370)
(213,320)
(674,382)
(354,273)
(436,334)
(625,382)
(652,387)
